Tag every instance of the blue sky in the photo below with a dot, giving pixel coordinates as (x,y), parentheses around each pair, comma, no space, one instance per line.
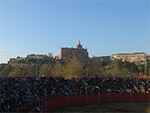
(104,27)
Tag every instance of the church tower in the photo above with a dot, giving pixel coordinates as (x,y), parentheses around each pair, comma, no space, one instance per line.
(79,46)
(65,51)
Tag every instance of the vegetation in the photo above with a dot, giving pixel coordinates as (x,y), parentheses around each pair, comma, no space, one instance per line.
(73,66)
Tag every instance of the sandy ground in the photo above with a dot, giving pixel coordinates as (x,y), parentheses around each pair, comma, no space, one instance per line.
(128,107)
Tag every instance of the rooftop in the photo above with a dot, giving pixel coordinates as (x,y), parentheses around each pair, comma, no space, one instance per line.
(131,53)
(79,46)
(73,48)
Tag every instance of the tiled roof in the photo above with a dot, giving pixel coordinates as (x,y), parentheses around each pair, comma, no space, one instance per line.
(131,53)
(73,48)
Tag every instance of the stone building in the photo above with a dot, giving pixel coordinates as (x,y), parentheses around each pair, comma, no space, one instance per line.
(64,52)
(34,56)
(138,58)
(148,57)
(103,58)
(12,60)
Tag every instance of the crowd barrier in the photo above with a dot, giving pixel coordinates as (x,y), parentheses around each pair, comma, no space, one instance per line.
(56,103)
(60,102)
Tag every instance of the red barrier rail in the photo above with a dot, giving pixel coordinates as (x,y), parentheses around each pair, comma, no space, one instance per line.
(73,100)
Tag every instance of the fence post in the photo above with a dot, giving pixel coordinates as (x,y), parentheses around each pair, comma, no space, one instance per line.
(98,95)
(77,99)
(119,97)
(42,106)
(68,100)
(130,97)
(149,97)
(109,97)
(86,95)
(60,101)
(142,97)
(46,103)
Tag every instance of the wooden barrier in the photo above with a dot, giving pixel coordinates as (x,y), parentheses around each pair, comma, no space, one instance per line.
(74,100)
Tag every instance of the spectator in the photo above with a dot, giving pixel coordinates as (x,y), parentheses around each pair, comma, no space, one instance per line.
(16,92)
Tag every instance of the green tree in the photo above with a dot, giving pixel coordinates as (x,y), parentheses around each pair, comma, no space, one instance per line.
(58,68)
(5,69)
(46,69)
(73,67)
(21,69)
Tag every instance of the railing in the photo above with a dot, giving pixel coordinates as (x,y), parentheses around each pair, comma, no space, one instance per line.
(56,103)
(74,100)
(27,108)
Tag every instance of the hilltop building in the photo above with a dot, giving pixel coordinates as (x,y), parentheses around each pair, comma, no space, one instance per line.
(138,58)
(148,57)
(103,58)
(34,56)
(64,52)
(15,59)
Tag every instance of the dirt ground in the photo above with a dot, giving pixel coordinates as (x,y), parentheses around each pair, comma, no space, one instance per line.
(128,107)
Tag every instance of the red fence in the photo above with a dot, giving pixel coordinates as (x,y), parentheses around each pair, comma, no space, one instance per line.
(73,100)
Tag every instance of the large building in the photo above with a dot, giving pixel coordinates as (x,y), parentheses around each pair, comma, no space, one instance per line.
(103,58)
(148,57)
(34,56)
(64,52)
(138,58)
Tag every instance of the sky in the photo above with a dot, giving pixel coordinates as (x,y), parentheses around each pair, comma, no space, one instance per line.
(104,27)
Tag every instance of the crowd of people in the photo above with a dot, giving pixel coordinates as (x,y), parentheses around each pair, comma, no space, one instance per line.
(15,92)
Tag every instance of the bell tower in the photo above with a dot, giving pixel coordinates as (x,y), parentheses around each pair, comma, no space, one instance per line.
(79,46)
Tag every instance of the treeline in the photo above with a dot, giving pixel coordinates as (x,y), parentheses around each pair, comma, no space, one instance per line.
(73,66)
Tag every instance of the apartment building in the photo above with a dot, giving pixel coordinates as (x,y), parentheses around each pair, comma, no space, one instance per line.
(138,57)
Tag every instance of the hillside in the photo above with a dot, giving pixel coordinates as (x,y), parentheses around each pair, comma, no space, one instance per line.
(73,66)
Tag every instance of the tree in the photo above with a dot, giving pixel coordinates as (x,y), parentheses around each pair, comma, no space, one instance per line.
(58,69)
(92,67)
(73,67)
(46,69)
(119,68)
(21,69)
(50,54)
(5,69)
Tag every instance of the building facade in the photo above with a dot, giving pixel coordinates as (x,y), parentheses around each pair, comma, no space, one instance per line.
(34,56)
(103,58)
(64,52)
(148,57)
(138,58)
